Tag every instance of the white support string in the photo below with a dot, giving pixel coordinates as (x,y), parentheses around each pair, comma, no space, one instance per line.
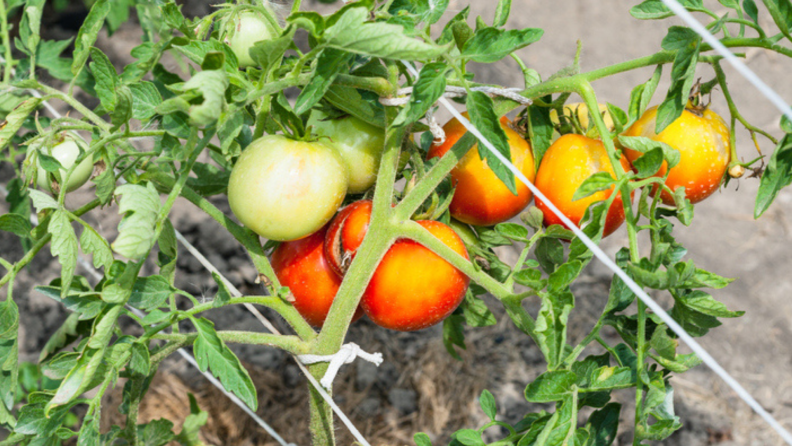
(672,324)
(743,69)
(348,353)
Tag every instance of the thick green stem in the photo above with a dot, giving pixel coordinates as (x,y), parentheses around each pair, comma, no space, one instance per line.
(133,408)
(9,56)
(292,344)
(640,363)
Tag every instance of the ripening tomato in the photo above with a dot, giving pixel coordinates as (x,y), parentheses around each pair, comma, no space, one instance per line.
(481,198)
(414,288)
(703,144)
(301,266)
(580,110)
(359,143)
(284,189)
(242,30)
(568,162)
(66,153)
(345,235)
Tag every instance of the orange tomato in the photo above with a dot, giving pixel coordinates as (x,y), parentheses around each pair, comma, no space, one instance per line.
(481,198)
(414,288)
(703,143)
(568,162)
(301,266)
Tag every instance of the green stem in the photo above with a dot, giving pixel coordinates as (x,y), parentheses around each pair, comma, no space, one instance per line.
(509,283)
(77,105)
(640,363)
(292,344)
(721,76)
(9,56)
(133,408)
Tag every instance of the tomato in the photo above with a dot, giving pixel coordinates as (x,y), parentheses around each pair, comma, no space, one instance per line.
(481,198)
(414,288)
(568,162)
(360,144)
(284,189)
(66,153)
(345,235)
(703,144)
(581,111)
(242,30)
(301,265)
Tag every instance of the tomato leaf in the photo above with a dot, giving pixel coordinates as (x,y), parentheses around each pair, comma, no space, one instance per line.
(106,79)
(454,335)
(641,95)
(429,87)
(476,312)
(540,130)
(492,44)
(267,53)
(88,33)
(551,326)
(483,117)
(682,76)
(329,65)
(649,163)
(150,292)
(749,6)
(596,182)
(781,11)
(353,102)
(502,13)
(139,205)
(488,405)
(677,38)
(212,354)
(550,386)
(15,224)
(777,176)
(15,119)
(351,32)
(64,246)
(645,145)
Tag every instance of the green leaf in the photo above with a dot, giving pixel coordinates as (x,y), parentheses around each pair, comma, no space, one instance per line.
(150,292)
(105,186)
(483,117)
(651,10)
(777,176)
(211,353)
(212,86)
(512,231)
(104,328)
(562,277)
(646,145)
(502,13)
(64,246)
(94,244)
(678,38)
(209,179)
(351,32)
(476,312)
(603,425)
(492,44)
(106,78)
(704,303)
(139,205)
(540,131)
(196,51)
(683,74)
(488,405)
(549,252)
(123,109)
(550,386)
(649,163)
(267,53)
(641,95)
(15,224)
(781,11)
(329,65)
(421,439)
(597,182)
(469,437)
(87,305)
(145,99)
(352,101)
(88,33)
(156,433)
(429,87)
(551,326)
(453,335)
(663,344)
(751,10)
(15,119)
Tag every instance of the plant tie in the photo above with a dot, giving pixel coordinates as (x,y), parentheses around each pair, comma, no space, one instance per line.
(345,355)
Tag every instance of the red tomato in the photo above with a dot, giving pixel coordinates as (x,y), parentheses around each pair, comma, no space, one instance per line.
(481,198)
(414,288)
(301,266)
(345,235)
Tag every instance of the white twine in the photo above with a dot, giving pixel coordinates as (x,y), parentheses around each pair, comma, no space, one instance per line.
(435,129)
(345,355)
(599,254)
(403,94)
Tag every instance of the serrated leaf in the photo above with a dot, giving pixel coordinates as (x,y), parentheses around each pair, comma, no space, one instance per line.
(678,37)
(476,312)
(781,11)
(94,244)
(145,99)
(644,145)
(266,53)
(431,84)
(550,386)
(106,78)
(512,231)
(682,76)
(15,224)
(595,183)
(88,33)
(328,66)
(651,10)
(777,176)
(87,305)
(15,119)
(223,296)
(64,246)
(150,292)
(352,32)
(453,335)
(212,354)
(483,117)
(139,205)
(492,44)
(649,163)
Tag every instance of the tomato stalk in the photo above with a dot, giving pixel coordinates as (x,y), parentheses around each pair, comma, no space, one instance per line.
(9,56)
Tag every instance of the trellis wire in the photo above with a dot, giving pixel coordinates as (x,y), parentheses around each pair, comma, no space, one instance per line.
(672,324)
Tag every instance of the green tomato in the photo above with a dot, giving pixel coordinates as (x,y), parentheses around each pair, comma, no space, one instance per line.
(66,153)
(243,31)
(286,190)
(359,143)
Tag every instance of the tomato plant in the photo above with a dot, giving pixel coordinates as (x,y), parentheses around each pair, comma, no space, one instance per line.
(481,198)
(284,189)
(284,115)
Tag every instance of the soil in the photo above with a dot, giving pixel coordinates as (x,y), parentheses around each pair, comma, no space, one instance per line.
(420,387)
